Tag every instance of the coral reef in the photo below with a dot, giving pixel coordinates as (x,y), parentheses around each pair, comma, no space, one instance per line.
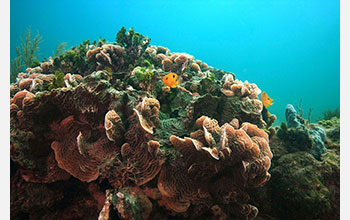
(98,132)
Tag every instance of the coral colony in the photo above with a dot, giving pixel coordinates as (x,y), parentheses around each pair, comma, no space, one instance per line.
(96,134)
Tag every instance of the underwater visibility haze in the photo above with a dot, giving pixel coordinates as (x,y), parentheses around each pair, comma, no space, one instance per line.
(175,109)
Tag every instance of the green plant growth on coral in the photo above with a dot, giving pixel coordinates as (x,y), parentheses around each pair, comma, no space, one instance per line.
(27,53)
(58,81)
(76,58)
(121,36)
(143,74)
(131,39)
(135,45)
(211,76)
(143,62)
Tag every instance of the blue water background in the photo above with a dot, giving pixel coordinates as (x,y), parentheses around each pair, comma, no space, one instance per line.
(289,48)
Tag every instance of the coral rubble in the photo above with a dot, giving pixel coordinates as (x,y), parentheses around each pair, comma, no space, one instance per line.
(98,121)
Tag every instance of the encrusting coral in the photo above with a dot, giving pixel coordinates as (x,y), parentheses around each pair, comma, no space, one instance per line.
(100,119)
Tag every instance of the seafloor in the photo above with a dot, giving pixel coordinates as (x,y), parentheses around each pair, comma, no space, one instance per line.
(96,134)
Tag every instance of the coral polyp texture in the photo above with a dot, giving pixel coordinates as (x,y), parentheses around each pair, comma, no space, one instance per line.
(97,131)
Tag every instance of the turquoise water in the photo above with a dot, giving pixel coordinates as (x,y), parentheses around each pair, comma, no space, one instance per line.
(289,48)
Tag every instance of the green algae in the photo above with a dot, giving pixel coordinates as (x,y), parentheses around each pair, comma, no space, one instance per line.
(75,59)
(58,81)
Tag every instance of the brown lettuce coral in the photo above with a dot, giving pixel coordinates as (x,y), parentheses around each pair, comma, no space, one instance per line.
(177,62)
(68,120)
(107,56)
(218,163)
(74,153)
(247,93)
(140,160)
(236,87)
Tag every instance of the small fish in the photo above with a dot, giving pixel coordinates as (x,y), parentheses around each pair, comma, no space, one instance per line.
(266,100)
(171,80)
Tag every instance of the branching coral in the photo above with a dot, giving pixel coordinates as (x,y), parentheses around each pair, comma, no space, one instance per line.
(30,48)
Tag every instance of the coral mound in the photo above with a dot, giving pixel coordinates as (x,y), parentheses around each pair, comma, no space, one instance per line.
(97,127)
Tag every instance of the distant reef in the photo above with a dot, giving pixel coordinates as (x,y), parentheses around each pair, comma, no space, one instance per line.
(97,134)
